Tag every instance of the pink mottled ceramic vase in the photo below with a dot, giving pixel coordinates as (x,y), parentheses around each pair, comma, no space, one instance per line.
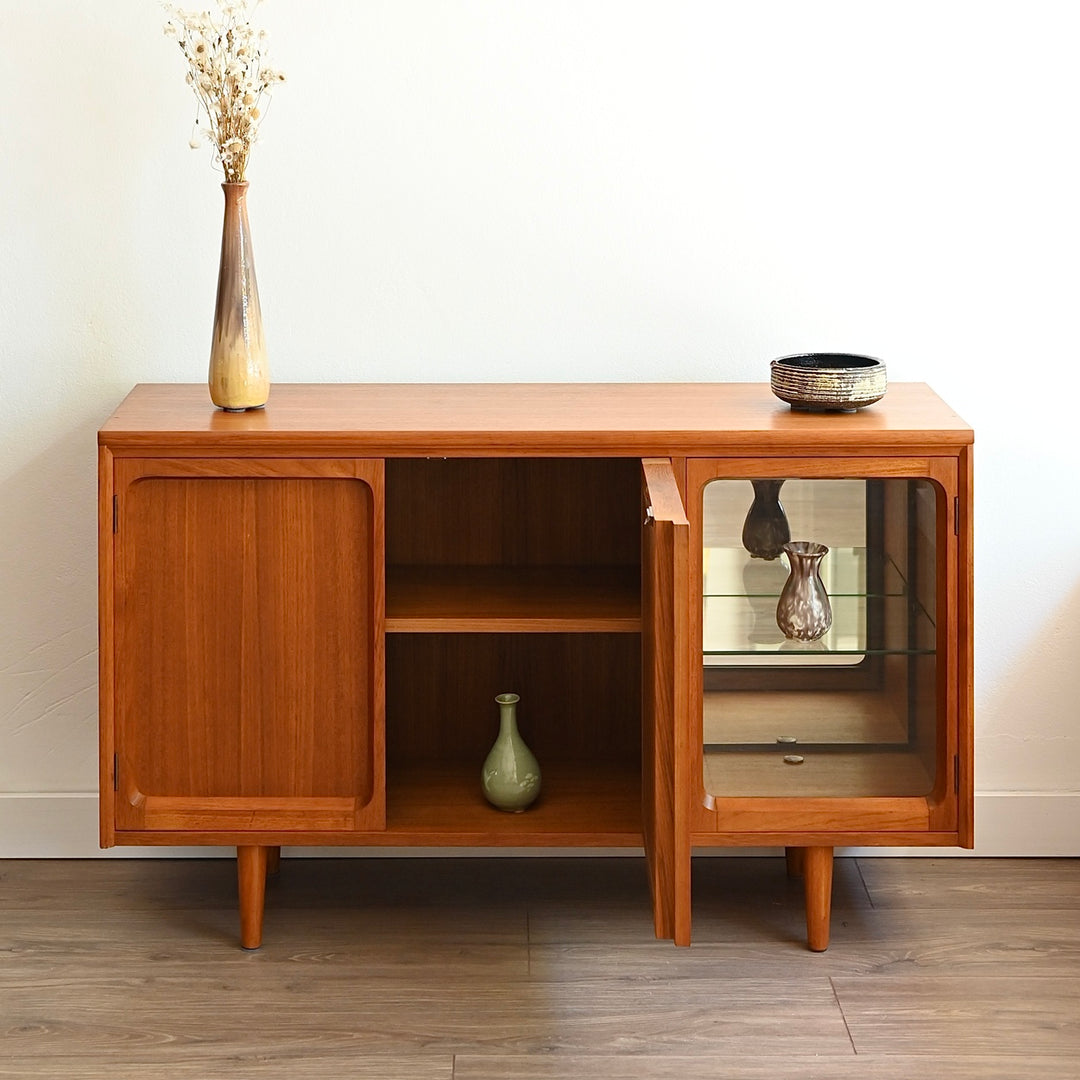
(803,611)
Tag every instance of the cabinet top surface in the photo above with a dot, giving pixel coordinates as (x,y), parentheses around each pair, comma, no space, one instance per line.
(513,418)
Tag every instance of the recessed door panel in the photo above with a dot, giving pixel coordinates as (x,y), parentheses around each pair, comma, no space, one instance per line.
(248,633)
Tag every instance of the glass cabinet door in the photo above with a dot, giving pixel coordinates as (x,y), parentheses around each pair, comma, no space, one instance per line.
(857,711)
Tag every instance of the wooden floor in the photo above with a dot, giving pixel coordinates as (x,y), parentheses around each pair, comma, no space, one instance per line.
(481,969)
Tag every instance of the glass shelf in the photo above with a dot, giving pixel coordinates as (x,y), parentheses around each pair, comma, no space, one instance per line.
(732,571)
(741,594)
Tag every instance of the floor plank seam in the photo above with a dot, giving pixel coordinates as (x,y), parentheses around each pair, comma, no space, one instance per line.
(866,888)
(836,998)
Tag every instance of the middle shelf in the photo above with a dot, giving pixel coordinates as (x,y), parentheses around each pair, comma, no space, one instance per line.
(513,599)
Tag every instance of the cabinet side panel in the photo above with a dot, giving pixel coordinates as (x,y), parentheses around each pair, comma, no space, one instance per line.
(245,637)
(106,712)
(965,658)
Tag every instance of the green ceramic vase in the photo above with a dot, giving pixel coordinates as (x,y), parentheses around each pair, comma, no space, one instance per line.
(510,778)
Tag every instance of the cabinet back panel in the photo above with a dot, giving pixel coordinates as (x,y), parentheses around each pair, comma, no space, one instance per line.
(513,511)
(580,695)
(244,637)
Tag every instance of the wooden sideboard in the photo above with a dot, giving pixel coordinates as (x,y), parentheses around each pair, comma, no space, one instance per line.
(306,612)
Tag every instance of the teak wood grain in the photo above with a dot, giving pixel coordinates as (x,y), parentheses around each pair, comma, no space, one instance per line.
(512,512)
(248,628)
(665,671)
(510,419)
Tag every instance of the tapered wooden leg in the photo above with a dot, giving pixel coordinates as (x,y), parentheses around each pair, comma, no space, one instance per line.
(273,861)
(796,860)
(817,883)
(251,875)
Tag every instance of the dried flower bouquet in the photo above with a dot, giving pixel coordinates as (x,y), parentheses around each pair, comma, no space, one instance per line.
(229,71)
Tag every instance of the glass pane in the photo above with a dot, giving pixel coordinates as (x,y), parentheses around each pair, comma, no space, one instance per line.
(855,710)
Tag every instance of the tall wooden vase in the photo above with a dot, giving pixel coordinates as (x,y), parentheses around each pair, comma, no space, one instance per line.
(239,376)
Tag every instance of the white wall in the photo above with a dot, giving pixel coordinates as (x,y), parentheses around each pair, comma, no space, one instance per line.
(555,190)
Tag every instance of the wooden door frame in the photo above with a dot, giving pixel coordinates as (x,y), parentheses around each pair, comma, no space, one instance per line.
(184,818)
(903,820)
(666,659)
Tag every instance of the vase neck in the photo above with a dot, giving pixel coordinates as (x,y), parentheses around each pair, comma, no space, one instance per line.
(507,720)
(235,194)
(766,489)
(804,553)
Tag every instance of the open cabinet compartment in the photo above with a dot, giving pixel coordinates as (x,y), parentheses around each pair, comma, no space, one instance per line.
(514,575)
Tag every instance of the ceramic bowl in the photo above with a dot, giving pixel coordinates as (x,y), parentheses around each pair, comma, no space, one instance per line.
(828,381)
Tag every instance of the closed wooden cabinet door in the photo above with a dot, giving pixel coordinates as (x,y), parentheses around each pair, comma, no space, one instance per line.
(248,635)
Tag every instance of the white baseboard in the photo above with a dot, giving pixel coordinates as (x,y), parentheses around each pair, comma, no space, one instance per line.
(64,826)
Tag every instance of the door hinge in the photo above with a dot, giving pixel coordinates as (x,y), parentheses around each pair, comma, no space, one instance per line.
(116,772)
(956,774)
(115,512)
(956,515)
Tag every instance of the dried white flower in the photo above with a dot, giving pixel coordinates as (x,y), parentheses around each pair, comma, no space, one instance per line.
(228,70)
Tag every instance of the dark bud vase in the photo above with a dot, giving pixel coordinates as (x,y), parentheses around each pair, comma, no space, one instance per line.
(766,531)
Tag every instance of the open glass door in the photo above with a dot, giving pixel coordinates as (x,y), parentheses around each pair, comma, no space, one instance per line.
(853,709)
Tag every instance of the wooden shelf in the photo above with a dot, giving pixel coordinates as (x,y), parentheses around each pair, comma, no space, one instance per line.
(581,804)
(513,599)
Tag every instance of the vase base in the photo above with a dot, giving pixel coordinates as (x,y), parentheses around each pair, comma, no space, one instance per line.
(241,408)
